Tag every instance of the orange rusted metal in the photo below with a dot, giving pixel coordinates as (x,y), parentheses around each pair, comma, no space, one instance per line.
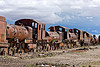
(87,37)
(32,46)
(28,34)
(28,41)
(62,31)
(4,45)
(19,32)
(38,27)
(2,30)
(78,33)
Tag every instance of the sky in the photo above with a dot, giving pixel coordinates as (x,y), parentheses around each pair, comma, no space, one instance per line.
(81,14)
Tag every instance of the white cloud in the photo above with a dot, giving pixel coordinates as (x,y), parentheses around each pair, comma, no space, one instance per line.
(93,5)
(90,18)
(76,7)
(68,18)
(95,31)
(39,10)
(48,11)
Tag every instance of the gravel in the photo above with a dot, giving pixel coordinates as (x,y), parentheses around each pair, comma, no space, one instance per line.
(90,57)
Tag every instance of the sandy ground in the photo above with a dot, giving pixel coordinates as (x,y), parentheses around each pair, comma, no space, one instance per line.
(86,58)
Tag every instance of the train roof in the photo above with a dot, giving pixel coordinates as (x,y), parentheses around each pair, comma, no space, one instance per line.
(27,22)
(59,27)
(77,29)
(87,32)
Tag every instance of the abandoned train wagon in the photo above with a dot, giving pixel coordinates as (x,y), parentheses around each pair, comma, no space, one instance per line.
(21,37)
(29,35)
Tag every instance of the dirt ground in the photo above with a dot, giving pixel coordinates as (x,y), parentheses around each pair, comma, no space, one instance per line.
(68,57)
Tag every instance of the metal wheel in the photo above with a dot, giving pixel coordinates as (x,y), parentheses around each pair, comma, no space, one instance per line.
(11,51)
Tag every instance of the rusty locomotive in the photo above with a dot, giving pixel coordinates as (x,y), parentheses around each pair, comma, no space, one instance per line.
(30,35)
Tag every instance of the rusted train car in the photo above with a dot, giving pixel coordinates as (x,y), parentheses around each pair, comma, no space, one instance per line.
(30,35)
(21,37)
(69,38)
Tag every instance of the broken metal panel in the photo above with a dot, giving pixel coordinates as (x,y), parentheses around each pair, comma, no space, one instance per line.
(72,36)
(54,35)
(87,37)
(29,29)
(2,30)
(61,35)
